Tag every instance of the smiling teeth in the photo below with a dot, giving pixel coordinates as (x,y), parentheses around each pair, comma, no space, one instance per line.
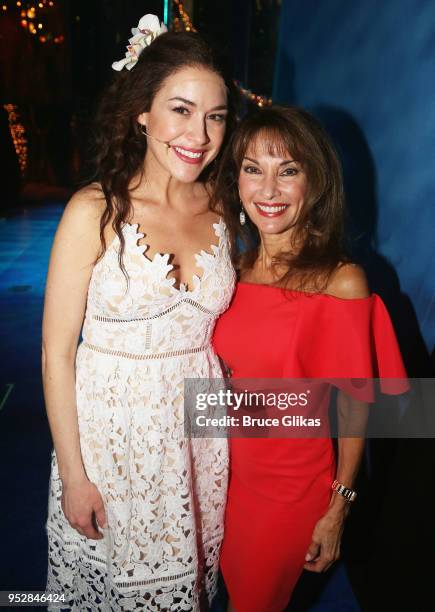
(188,153)
(271,209)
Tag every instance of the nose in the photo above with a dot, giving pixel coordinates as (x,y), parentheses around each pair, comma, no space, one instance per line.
(269,187)
(197,132)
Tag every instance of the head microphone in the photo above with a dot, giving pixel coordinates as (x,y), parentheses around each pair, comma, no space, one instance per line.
(145,133)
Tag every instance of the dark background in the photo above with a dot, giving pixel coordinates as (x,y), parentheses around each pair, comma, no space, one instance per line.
(56,85)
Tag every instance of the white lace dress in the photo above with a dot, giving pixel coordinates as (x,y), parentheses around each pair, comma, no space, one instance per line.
(164,494)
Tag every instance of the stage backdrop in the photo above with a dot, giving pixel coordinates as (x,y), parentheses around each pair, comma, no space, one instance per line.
(366,68)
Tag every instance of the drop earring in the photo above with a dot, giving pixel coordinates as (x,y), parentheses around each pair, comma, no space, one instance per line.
(242,215)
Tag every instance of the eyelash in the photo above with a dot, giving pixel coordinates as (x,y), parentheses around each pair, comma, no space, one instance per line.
(255,170)
(182,110)
(217,117)
(293,172)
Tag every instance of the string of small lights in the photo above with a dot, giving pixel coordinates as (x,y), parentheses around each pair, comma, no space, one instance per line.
(181,22)
(18,135)
(34,17)
(260,101)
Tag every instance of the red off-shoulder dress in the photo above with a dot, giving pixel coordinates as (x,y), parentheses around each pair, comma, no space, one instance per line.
(279,488)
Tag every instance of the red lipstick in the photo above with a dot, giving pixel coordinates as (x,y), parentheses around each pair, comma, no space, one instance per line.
(196,158)
(271,211)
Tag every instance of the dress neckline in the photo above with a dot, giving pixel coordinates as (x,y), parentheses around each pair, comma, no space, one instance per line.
(162,259)
(309,294)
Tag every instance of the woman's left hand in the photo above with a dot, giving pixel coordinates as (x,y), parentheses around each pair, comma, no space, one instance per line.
(325,543)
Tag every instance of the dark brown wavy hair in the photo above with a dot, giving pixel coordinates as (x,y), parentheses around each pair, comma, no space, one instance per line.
(316,247)
(119,145)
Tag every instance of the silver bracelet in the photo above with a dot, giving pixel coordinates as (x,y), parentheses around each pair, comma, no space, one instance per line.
(348,494)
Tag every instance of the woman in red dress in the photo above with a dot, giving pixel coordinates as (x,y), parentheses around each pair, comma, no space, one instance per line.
(301,310)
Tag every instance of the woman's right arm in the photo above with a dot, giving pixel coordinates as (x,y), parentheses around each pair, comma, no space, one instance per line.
(75,249)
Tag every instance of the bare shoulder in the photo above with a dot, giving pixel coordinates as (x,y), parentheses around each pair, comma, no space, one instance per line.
(348,282)
(79,227)
(86,206)
(73,256)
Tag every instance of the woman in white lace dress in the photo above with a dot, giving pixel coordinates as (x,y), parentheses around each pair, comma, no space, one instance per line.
(136,509)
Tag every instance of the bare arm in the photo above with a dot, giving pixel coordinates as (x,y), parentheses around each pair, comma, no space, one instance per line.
(74,251)
(348,282)
(354,415)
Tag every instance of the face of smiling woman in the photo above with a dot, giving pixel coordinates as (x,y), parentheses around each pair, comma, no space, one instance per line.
(272,188)
(189,113)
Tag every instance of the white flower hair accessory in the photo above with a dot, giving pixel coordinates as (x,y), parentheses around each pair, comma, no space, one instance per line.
(148,29)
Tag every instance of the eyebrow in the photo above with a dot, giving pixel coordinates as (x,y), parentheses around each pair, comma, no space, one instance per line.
(190,103)
(287,161)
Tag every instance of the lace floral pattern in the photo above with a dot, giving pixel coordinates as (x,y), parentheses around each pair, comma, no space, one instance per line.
(164,494)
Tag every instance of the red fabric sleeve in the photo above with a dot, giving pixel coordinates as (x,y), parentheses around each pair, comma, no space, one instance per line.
(347,340)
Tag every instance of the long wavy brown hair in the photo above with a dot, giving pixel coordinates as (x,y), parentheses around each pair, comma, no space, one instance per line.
(119,146)
(316,246)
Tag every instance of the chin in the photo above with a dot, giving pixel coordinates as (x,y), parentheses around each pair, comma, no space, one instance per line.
(188,174)
(187,177)
(273,230)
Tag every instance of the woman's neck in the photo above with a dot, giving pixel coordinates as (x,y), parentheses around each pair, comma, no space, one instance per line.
(271,246)
(266,268)
(158,185)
